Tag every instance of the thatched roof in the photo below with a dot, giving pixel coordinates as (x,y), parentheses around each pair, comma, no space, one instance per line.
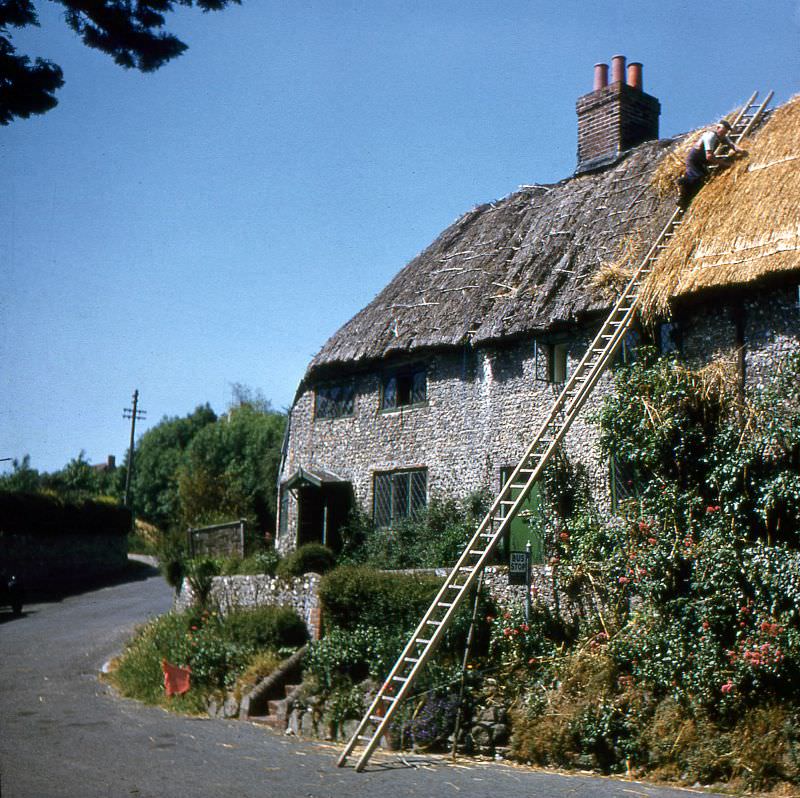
(545,256)
(744,225)
(520,265)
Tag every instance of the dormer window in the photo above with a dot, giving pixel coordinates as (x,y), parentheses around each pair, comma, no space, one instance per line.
(404,387)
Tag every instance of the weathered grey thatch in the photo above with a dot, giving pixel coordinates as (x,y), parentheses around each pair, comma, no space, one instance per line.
(537,260)
(517,266)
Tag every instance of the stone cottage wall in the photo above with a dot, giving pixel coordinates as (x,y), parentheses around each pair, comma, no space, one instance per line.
(484,406)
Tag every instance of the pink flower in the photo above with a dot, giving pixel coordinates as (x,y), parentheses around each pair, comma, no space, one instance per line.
(623,580)
(727,687)
(706,625)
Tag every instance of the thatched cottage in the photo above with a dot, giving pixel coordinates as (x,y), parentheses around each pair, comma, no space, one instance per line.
(437,385)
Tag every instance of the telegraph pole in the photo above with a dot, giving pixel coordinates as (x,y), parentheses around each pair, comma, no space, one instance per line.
(133,413)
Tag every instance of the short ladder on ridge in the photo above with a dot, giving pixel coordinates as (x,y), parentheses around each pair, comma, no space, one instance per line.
(514,492)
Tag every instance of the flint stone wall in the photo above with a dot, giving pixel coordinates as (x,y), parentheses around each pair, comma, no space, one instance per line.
(482,409)
(247,592)
(302,594)
(484,405)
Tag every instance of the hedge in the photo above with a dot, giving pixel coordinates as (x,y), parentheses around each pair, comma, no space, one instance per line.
(44,515)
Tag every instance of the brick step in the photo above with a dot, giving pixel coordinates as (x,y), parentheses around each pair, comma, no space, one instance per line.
(290,688)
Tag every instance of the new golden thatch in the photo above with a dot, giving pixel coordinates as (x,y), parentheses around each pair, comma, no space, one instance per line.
(744,225)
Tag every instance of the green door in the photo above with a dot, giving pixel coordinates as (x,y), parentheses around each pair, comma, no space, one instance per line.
(528,526)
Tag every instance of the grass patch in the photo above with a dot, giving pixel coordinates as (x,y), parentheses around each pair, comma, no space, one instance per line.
(219,650)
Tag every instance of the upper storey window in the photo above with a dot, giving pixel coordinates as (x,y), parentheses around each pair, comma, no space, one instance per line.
(334,400)
(404,387)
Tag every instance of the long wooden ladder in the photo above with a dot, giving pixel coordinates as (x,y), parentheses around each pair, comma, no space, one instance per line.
(514,492)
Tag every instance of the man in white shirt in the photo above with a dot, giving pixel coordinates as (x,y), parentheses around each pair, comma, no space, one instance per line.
(700,157)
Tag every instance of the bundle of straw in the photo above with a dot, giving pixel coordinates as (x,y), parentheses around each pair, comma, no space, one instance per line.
(612,276)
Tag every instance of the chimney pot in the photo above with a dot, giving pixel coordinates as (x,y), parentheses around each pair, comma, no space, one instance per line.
(618,69)
(600,76)
(613,120)
(635,75)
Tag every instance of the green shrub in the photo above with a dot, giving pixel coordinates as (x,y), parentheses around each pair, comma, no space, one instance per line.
(217,649)
(265,627)
(434,539)
(201,573)
(352,655)
(359,596)
(262,562)
(41,514)
(310,558)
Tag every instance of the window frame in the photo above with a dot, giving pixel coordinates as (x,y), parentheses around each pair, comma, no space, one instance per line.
(344,406)
(392,390)
(558,369)
(388,491)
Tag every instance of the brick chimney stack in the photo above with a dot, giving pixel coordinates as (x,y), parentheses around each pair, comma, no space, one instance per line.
(615,116)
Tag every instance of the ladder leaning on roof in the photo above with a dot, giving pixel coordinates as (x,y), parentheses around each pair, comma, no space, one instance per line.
(515,491)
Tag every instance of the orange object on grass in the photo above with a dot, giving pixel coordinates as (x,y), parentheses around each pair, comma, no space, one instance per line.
(176,679)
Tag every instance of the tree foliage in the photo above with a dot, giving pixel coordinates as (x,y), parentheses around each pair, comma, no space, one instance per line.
(231,468)
(160,454)
(75,481)
(130,31)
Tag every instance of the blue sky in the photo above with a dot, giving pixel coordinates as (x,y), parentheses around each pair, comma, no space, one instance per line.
(216,221)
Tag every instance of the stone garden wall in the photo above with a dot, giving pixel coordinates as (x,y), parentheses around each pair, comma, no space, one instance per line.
(242,592)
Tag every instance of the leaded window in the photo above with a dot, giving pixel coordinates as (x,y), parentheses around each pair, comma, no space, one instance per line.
(404,387)
(398,495)
(334,400)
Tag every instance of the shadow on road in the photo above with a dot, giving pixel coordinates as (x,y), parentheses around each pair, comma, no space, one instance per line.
(137,569)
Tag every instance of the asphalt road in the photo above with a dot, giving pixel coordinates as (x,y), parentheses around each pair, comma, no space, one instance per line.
(64,734)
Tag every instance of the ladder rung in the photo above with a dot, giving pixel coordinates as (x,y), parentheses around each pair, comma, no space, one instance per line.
(376,718)
(403,678)
(424,642)
(364,737)
(443,604)
(455,587)
(388,698)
